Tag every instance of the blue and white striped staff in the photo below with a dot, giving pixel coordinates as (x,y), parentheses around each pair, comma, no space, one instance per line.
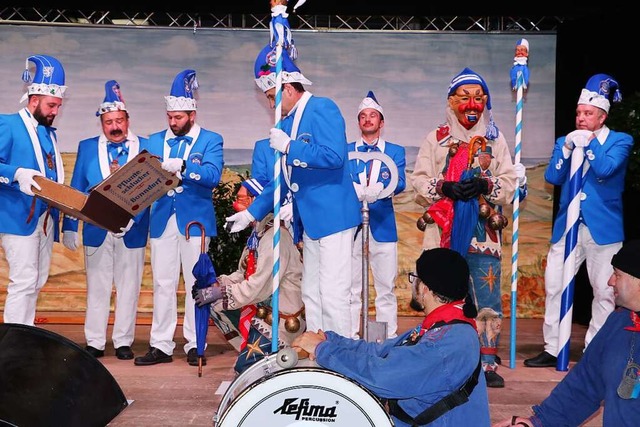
(569,267)
(516,223)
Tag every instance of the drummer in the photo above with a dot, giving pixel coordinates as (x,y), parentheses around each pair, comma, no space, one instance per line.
(249,289)
(444,349)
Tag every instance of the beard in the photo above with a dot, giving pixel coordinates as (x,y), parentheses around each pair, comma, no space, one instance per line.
(416,305)
(41,118)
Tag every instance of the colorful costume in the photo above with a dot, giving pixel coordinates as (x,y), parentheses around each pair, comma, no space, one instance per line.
(439,160)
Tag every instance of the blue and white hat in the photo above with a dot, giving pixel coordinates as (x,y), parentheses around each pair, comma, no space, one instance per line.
(523,42)
(182,92)
(253,186)
(469,77)
(370,101)
(112,99)
(599,91)
(265,70)
(48,78)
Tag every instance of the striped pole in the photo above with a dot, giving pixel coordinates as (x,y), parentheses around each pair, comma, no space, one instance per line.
(275,305)
(569,267)
(516,218)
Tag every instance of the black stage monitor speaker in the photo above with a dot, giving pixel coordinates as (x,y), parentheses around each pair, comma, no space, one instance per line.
(47,380)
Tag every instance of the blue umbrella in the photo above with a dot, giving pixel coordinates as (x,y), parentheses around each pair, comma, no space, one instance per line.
(205,275)
(466,211)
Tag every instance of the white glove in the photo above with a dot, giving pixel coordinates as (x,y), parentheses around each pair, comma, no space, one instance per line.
(372,192)
(239,221)
(578,138)
(173,165)
(286,212)
(70,240)
(123,230)
(25,180)
(521,174)
(279,140)
(359,190)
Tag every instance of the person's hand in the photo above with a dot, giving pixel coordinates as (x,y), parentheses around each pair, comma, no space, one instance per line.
(453,190)
(372,192)
(286,212)
(239,221)
(279,140)
(578,138)
(472,188)
(207,295)
(173,165)
(520,174)
(123,230)
(514,421)
(308,342)
(70,240)
(25,180)
(359,190)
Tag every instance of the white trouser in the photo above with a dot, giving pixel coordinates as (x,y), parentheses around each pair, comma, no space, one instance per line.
(112,264)
(169,252)
(326,282)
(599,268)
(29,259)
(383,260)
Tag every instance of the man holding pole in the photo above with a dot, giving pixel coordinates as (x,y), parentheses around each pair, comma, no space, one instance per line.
(314,146)
(596,207)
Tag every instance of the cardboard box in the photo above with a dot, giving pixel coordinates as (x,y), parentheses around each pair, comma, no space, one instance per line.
(113,202)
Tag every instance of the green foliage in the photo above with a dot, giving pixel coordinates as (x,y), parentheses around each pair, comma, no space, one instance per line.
(625,117)
(226,248)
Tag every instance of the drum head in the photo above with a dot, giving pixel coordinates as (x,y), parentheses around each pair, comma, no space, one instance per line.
(301,397)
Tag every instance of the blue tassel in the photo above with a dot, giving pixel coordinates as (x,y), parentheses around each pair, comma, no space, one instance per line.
(293,52)
(617,96)
(26,77)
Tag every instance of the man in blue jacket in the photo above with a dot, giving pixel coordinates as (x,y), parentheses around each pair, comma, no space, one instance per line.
(111,259)
(195,154)
(601,226)
(369,179)
(28,226)
(313,140)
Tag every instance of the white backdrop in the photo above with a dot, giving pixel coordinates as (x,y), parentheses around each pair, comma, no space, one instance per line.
(409,73)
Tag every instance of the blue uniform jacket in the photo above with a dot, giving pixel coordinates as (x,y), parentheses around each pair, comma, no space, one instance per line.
(320,181)
(87,173)
(602,186)
(17,151)
(382,219)
(194,202)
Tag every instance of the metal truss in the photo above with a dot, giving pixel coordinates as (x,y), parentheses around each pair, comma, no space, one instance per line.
(31,15)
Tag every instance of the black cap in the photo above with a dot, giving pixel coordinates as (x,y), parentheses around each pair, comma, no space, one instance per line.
(627,258)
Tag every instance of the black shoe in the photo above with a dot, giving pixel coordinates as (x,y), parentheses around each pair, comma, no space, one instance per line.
(493,379)
(124,353)
(192,358)
(94,351)
(152,357)
(543,360)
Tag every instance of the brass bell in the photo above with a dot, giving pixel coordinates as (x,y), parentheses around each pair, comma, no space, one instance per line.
(428,218)
(453,149)
(269,318)
(484,210)
(292,324)
(421,224)
(262,312)
(498,221)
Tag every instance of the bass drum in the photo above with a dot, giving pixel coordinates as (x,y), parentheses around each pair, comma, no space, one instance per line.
(266,394)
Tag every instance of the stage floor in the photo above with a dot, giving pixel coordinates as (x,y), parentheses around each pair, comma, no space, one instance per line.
(172,394)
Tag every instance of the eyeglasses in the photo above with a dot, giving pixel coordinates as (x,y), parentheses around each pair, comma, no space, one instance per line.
(412,277)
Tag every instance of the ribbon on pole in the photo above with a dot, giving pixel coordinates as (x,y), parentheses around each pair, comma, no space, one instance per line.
(275,306)
(569,266)
(516,221)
